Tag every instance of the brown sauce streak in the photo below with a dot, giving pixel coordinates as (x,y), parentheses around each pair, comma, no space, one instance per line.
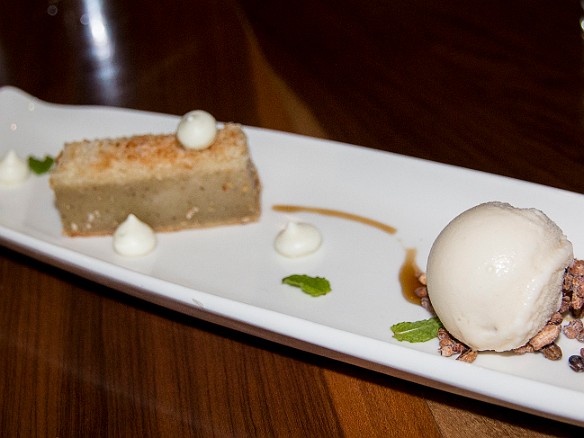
(336,213)
(408,277)
(409,271)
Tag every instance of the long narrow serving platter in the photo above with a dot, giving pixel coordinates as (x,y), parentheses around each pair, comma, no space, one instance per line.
(232,275)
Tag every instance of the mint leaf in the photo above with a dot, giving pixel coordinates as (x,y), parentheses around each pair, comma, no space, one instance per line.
(418,331)
(314,286)
(39,166)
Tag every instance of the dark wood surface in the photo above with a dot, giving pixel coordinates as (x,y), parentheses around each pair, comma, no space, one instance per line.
(495,86)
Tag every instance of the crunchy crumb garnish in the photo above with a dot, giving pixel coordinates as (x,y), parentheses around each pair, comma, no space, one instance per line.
(574,288)
(137,156)
(448,344)
(574,330)
(468,356)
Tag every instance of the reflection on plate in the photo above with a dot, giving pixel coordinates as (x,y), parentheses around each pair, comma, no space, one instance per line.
(232,275)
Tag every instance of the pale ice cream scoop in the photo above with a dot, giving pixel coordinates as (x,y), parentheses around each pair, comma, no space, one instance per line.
(495,275)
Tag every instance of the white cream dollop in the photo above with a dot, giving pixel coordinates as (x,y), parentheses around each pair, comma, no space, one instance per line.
(298,239)
(133,237)
(197,129)
(13,169)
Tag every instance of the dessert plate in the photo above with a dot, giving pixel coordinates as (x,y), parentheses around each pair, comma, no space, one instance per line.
(232,275)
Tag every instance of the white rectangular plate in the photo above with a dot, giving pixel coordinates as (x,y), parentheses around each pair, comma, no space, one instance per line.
(232,275)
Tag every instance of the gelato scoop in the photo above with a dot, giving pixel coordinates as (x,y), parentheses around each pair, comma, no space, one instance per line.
(495,275)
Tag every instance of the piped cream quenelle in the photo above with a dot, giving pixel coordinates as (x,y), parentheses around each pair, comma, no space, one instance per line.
(298,239)
(495,274)
(197,129)
(13,169)
(134,238)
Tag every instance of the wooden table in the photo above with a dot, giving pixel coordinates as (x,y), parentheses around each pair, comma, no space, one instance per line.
(495,86)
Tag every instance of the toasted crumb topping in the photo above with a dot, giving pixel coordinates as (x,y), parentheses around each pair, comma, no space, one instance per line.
(145,156)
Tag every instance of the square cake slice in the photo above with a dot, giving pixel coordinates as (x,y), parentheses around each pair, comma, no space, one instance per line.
(98,183)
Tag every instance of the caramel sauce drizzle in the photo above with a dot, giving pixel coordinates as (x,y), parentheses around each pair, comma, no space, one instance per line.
(336,213)
(408,276)
(409,271)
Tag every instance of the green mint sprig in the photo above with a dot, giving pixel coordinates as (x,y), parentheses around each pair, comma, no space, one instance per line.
(40,166)
(417,331)
(314,286)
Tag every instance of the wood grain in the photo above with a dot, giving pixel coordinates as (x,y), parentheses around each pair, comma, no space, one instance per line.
(492,86)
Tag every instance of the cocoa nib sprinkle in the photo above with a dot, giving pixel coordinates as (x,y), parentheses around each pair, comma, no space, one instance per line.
(573,302)
(544,340)
(546,336)
(450,346)
(552,352)
(577,361)
(468,356)
(422,293)
(574,330)
(573,293)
